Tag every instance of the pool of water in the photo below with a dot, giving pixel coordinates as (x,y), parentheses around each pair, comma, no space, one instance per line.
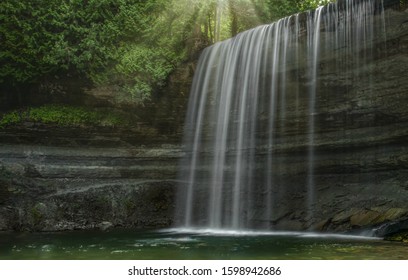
(198,244)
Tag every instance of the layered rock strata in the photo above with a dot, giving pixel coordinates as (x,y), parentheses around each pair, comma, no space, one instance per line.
(58,188)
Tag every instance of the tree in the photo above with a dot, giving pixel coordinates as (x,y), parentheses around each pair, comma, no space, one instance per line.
(132,44)
(53,39)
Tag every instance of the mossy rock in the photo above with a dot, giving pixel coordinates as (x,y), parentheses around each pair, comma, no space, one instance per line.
(398,237)
(66,116)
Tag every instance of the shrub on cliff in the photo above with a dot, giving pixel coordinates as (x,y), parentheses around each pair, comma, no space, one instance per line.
(63,116)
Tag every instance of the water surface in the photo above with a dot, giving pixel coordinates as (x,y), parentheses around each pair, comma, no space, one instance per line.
(199,244)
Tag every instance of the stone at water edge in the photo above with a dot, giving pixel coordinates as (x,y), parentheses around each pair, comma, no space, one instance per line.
(104,226)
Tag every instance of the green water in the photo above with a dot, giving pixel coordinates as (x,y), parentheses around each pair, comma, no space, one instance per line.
(153,245)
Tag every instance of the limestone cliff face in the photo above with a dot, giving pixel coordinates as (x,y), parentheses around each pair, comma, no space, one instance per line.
(64,188)
(361,134)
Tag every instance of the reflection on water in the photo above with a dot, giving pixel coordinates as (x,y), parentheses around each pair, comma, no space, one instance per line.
(198,244)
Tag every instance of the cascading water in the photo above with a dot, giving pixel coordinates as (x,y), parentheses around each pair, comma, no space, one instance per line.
(251,94)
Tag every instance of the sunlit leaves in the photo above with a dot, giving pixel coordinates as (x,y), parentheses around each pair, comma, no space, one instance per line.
(144,68)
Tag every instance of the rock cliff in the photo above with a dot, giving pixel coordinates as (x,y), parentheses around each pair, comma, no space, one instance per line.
(361,120)
(55,177)
(47,188)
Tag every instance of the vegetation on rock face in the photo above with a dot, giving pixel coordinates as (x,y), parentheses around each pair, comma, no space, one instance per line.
(399,237)
(133,45)
(64,116)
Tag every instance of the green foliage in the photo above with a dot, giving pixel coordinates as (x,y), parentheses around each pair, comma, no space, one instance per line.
(53,37)
(10,118)
(44,39)
(63,116)
(132,44)
(144,68)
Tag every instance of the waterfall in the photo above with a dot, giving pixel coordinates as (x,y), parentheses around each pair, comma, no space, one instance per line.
(253,97)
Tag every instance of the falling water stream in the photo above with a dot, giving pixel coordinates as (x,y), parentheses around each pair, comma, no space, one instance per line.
(247,93)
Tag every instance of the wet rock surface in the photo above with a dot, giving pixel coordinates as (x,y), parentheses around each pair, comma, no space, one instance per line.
(361,120)
(398,237)
(60,188)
